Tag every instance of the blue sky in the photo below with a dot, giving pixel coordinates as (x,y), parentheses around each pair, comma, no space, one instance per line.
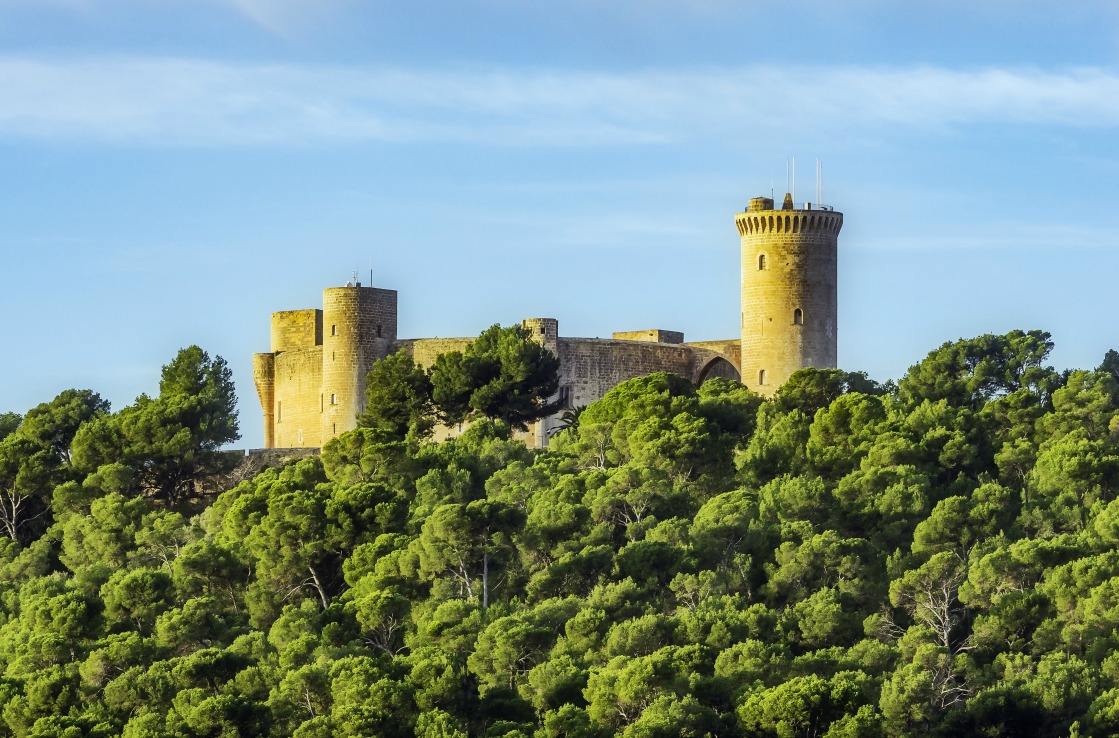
(175,171)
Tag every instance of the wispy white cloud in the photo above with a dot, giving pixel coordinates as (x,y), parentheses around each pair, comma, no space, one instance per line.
(287,17)
(187,101)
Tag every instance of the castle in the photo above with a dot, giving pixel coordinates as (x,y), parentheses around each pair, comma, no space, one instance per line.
(312,383)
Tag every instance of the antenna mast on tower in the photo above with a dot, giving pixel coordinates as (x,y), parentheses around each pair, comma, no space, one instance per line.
(819,181)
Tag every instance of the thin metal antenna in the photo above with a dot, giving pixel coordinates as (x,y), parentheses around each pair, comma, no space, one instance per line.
(370,271)
(817,180)
(793,191)
(786,175)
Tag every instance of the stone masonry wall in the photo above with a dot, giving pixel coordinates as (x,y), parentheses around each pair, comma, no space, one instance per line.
(299,399)
(424,350)
(654,335)
(296,329)
(590,367)
(731,348)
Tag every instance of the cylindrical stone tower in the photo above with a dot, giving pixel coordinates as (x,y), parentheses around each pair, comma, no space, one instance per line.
(359,326)
(264,376)
(789,303)
(544,331)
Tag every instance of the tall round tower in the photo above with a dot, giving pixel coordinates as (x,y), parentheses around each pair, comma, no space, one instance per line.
(789,304)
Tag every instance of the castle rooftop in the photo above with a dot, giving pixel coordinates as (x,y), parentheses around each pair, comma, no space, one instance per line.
(760,204)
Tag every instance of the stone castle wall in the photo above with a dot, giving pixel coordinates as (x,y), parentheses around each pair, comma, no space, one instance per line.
(730,348)
(424,350)
(298,398)
(296,329)
(789,294)
(591,367)
(655,335)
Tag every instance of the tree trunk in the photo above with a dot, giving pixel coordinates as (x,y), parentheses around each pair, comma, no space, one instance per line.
(485,580)
(318,586)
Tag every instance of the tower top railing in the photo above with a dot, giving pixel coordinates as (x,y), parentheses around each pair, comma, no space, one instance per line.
(765,208)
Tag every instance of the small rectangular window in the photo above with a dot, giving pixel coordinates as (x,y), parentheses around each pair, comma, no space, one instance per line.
(300,435)
(322,405)
(333,399)
(334,330)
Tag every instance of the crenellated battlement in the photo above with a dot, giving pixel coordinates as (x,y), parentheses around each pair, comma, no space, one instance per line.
(809,220)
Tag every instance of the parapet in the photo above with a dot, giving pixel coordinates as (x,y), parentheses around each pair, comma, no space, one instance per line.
(654,335)
(761,219)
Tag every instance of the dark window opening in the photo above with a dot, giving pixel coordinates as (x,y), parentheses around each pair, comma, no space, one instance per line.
(334,330)
(798,317)
(761,261)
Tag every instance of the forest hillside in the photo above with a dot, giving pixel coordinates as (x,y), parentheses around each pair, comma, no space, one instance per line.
(938,556)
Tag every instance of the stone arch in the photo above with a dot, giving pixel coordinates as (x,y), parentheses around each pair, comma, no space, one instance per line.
(717,366)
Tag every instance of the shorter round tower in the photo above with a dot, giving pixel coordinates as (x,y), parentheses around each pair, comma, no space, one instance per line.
(264,377)
(358,328)
(789,295)
(545,331)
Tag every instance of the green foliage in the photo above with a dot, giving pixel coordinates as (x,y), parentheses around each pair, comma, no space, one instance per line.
(845,559)
(502,374)
(173,440)
(398,398)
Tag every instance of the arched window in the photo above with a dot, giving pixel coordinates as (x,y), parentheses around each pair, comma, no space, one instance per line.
(798,317)
(761,261)
(761,377)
